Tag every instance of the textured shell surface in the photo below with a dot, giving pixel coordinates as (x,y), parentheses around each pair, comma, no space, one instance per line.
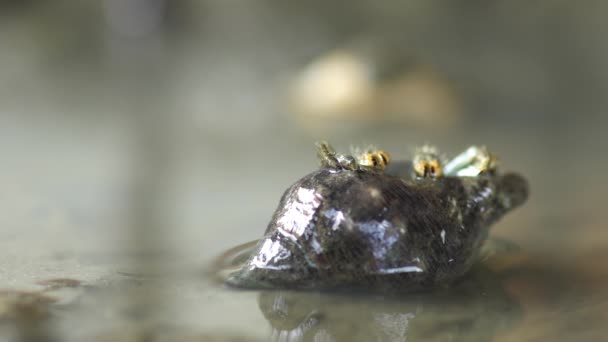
(364,229)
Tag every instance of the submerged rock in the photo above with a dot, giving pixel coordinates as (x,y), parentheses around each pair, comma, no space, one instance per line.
(364,228)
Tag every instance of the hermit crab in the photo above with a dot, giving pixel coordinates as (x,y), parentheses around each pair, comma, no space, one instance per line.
(363,222)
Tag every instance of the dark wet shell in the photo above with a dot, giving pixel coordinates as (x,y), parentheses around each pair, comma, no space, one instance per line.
(361,229)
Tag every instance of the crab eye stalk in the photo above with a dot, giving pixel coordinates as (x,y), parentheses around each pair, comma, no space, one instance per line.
(326,155)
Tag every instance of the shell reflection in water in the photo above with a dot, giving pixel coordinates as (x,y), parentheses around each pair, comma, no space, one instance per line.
(475,310)
(380,229)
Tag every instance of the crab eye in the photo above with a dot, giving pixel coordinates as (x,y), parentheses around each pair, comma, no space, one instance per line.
(420,168)
(374,159)
(428,168)
(435,169)
(381,159)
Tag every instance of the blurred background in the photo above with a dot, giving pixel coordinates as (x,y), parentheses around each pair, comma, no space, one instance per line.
(141,138)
